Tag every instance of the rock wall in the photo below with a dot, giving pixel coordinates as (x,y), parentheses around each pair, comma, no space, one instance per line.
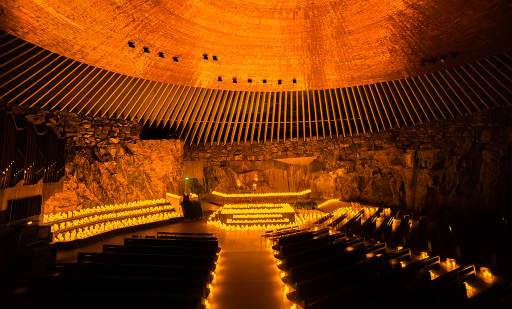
(463,163)
(85,131)
(107,163)
(119,172)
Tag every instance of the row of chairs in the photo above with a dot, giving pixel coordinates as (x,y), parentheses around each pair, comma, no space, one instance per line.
(168,270)
(351,260)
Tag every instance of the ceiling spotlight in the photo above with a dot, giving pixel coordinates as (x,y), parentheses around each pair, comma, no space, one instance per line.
(175,59)
(131,44)
(146,50)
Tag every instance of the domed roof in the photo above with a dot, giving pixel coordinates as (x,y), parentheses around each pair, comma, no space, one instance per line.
(306,44)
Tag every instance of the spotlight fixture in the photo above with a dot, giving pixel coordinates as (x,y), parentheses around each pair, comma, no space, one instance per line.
(146,49)
(294,81)
(249,80)
(205,56)
(161,55)
(264,81)
(219,79)
(279,82)
(234,80)
(175,59)
(131,44)
(214,58)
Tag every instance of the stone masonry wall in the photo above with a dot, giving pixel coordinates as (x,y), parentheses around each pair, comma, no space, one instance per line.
(86,131)
(463,163)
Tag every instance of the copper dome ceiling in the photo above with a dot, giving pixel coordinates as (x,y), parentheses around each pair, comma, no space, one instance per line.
(318,43)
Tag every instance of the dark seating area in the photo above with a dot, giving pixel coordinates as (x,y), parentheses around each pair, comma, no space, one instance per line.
(381,259)
(167,270)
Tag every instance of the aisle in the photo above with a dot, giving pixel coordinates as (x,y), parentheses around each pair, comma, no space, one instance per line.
(247,276)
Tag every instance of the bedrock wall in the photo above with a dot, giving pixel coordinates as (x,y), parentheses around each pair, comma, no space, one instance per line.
(117,173)
(461,163)
(107,163)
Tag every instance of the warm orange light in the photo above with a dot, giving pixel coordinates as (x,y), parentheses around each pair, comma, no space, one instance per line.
(91,219)
(252,217)
(257,216)
(286,290)
(328,202)
(423,255)
(62,216)
(106,226)
(451,263)
(486,274)
(433,274)
(470,290)
(262,194)
(403,264)
(174,196)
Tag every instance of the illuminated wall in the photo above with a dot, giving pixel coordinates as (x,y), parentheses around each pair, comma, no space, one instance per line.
(461,164)
(118,173)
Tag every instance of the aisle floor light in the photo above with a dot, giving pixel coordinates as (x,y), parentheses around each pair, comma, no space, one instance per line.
(486,275)
(470,290)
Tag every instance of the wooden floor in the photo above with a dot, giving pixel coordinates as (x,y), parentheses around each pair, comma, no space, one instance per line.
(247,276)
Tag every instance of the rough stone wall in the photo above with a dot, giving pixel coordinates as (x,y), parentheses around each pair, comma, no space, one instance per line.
(119,172)
(85,131)
(107,163)
(463,163)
